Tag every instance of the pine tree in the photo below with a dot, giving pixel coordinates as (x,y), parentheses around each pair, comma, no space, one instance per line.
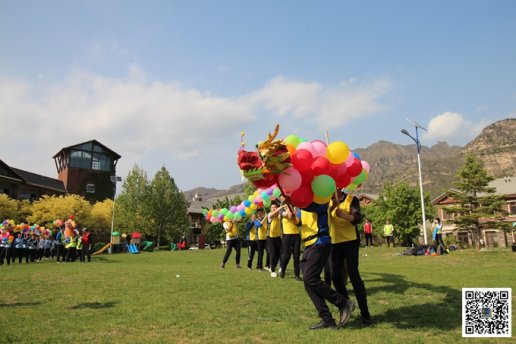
(477,205)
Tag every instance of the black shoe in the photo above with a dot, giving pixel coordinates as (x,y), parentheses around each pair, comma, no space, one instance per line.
(282,274)
(297,278)
(345,313)
(324,324)
(367,321)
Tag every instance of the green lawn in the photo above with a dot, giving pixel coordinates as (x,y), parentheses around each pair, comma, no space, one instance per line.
(184,297)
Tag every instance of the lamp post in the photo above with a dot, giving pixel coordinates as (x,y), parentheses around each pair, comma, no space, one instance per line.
(114,180)
(418,145)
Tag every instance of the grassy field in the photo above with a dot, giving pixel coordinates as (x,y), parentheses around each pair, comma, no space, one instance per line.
(184,297)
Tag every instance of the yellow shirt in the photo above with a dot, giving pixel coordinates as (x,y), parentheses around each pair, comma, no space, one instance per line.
(262,231)
(275,228)
(342,230)
(308,227)
(289,225)
(232,231)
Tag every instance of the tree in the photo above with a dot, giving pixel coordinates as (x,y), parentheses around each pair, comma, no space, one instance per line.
(49,208)
(100,220)
(401,206)
(131,210)
(8,208)
(477,203)
(168,208)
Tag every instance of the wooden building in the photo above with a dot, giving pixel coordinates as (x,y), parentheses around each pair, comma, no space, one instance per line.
(490,237)
(19,184)
(86,169)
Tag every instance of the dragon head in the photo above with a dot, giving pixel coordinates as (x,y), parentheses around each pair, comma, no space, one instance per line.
(263,167)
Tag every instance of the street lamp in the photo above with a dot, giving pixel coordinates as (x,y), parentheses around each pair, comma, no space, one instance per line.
(418,145)
(114,180)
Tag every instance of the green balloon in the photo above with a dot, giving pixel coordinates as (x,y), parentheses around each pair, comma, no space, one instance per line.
(230,215)
(237,217)
(276,192)
(323,186)
(360,178)
(292,140)
(267,202)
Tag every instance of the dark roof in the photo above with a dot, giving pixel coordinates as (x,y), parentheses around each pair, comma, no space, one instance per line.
(39,180)
(116,155)
(11,173)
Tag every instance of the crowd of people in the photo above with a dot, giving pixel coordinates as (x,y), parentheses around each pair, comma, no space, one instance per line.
(331,241)
(67,244)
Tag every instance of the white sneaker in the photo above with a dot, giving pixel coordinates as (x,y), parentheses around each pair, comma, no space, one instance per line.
(268,269)
(280,270)
(274,275)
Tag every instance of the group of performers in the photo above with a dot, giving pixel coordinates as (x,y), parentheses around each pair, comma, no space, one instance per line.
(331,242)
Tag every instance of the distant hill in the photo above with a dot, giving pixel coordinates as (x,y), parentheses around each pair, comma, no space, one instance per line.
(390,162)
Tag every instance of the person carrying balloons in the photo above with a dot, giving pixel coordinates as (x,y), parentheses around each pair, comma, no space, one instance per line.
(232,241)
(345,215)
(262,226)
(291,241)
(315,234)
(252,239)
(274,237)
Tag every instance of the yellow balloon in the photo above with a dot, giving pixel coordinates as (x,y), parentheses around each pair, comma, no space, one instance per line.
(337,152)
(321,200)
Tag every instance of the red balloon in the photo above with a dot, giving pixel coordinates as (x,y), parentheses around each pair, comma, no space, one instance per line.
(321,165)
(307,177)
(355,168)
(302,197)
(338,171)
(343,181)
(302,159)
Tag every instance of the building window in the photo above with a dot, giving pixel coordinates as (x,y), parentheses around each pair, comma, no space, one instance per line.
(463,238)
(100,162)
(512,208)
(90,188)
(80,159)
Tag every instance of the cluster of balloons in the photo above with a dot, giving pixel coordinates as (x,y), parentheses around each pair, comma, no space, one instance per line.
(9,226)
(70,225)
(260,198)
(318,169)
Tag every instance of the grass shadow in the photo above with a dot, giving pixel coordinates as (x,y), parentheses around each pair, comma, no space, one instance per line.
(100,259)
(95,305)
(444,314)
(19,304)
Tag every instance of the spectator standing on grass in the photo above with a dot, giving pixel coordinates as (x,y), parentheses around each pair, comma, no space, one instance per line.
(368,232)
(437,235)
(388,233)
(274,237)
(345,215)
(232,241)
(261,224)
(86,245)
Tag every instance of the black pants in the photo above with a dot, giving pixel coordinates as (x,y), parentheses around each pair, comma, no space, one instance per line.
(369,239)
(312,263)
(60,252)
(251,250)
(347,253)
(274,250)
(71,254)
(233,243)
(261,247)
(390,240)
(291,246)
(440,243)
(86,253)
(3,255)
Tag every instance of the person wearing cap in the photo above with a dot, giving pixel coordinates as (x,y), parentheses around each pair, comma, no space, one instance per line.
(345,216)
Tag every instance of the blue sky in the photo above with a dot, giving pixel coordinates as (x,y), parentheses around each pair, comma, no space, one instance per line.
(174,83)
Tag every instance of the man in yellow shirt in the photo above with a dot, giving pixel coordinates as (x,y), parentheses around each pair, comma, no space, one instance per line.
(388,232)
(345,215)
(232,241)
(274,237)
(291,241)
(261,224)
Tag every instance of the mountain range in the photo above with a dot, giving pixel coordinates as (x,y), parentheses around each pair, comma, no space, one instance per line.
(390,162)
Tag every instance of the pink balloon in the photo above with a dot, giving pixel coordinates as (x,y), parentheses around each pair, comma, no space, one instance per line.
(308,146)
(290,179)
(366,166)
(350,159)
(319,148)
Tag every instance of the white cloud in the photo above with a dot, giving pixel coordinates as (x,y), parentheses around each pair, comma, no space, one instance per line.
(453,128)
(137,117)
